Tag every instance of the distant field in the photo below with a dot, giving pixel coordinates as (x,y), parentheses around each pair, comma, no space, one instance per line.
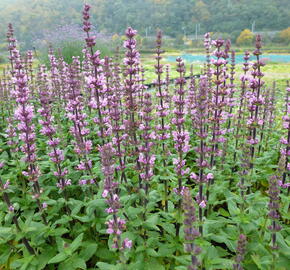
(279,72)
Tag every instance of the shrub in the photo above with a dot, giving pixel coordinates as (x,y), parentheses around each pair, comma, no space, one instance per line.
(245,38)
(67,49)
(285,35)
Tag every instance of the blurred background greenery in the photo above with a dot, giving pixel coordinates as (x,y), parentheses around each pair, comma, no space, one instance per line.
(58,23)
(181,20)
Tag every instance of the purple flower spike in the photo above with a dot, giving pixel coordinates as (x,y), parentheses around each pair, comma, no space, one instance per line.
(241,250)
(190,232)
(115,225)
(274,195)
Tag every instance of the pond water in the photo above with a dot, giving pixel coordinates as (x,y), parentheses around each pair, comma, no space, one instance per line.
(279,58)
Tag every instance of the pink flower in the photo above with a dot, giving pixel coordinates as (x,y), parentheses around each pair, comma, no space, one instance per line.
(83,182)
(6,185)
(105,193)
(193,176)
(127,243)
(202,204)
(283,141)
(209,176)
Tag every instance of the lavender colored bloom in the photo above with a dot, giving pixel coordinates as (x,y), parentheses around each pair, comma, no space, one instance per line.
(56,155)
(146,158)
(162,107)
(79,129)
(118,129)
(207,46)
(115,225)
(231,91)
(239,117)
(200,123)
(285,140)
(218,96)
(255,100)
(6,185)
(131,62)
(274,195)
(96,82)
(132,88)
(24,114)
(241,250)
(127,244)
(11,47)
(190,232)
(180,135)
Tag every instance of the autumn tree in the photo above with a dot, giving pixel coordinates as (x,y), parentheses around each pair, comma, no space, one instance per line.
(245,38)
(285,35)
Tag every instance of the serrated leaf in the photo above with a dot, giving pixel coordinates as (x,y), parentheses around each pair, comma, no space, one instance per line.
(151,222)
(151,252)
(165,251)
(169,228)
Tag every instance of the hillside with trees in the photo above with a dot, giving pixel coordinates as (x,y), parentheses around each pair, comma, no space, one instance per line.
(32,18)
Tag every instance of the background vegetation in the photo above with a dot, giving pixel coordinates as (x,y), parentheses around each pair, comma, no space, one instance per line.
(177,18)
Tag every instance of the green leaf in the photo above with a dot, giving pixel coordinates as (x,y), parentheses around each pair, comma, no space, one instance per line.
(63,220)
(151,222)
(4,231)
(151,252)
(76,243)
(165,251)
(233,209)
(223,212)
(169,228)
(88,251)
(78,263)
(256,259)
(58,258)
(58,231)
(222,263)
(83,219)
(44,257)
(223,238)
(76,207)
(132,212)
(4,256)
(105,266)
(183,259)
(23,264)
(73,263)
(153,263)
(106,254)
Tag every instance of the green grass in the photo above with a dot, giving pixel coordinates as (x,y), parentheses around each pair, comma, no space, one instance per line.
(279,72)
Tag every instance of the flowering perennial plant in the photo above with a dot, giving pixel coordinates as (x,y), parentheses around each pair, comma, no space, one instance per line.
(131,170)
